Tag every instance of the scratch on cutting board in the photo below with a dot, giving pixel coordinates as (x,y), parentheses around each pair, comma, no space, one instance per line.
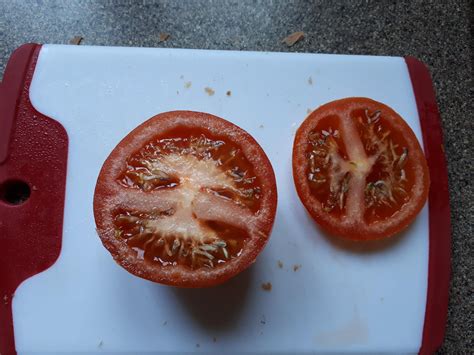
(353,332)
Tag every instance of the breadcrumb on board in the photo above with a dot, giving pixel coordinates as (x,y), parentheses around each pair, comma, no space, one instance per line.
(209,91)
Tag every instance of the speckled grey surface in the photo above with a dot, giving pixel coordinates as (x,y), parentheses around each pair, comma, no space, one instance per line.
(437,32)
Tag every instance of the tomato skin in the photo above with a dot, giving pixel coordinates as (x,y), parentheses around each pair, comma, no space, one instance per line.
(177,275)
(358,229)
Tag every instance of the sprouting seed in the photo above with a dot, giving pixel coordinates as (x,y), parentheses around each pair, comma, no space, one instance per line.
(375,116)
(175,246)
(392,149)
(379,183)
(168,250)
(325,133)
(126,219)
(403,158)
(208,247)
(226,254)
(203,253)
(403,176)
(345,183)
(220,243)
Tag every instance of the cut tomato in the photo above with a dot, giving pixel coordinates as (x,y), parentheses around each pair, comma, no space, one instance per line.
(186,199)
(359,169)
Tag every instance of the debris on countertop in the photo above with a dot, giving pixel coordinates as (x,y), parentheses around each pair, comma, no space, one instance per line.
(76,40)
(163,37)
(267,286)
(293,38)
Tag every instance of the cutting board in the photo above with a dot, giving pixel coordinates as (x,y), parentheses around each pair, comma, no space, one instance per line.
(326,296)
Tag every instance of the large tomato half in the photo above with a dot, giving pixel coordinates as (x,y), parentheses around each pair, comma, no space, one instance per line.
(359,169)
(186,199)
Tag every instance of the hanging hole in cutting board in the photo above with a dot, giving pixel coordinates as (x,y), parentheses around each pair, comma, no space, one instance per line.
(14,192)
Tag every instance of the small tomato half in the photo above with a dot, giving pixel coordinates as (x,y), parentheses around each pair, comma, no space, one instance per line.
(359,169)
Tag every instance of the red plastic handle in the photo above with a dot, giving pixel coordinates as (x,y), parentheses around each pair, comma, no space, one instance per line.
(33,154)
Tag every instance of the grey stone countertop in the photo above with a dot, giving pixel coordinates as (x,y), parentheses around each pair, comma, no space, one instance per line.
(437,32)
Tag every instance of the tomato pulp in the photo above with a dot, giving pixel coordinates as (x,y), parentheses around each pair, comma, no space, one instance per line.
(359,170)
(186,199)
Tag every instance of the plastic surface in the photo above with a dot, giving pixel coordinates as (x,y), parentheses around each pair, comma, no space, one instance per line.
(36,154)
(341,298)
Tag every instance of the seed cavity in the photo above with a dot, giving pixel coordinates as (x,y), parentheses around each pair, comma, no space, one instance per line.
(186,167)
(169,250)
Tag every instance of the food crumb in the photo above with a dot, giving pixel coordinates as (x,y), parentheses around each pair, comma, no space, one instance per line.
(163,37)
(261,126)
(181,76)
(209,91)
(267,286)
(165,322)
(177,92)
(296,267)
(381,299)
(198,345)
(188,84)
(293,38)
(76,40)
(100,344)
(280,264)
(263,320)
(310,81)
(214,340)
(229,93)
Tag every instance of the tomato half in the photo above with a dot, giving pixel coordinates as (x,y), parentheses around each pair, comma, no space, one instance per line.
(359,169)
(186,199)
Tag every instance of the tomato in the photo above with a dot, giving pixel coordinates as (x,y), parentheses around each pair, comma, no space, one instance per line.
(359,170)
(186,199)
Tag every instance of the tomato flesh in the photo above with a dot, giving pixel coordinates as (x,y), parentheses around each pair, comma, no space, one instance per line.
(215,243)
(359,160)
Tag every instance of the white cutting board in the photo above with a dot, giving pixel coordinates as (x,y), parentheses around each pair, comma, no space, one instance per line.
(342,299)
